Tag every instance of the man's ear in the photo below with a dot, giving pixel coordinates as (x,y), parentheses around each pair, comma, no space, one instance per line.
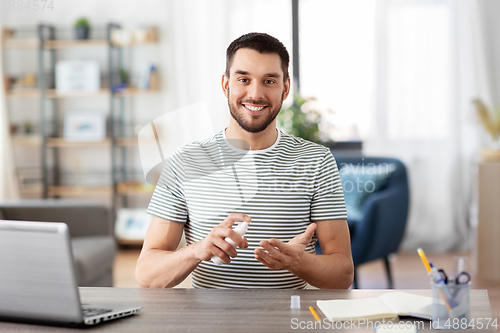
(225,84)
(287,88)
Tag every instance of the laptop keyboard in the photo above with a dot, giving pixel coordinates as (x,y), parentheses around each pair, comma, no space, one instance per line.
(89,312)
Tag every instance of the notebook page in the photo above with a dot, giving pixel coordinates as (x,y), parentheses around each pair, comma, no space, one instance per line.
(406,303)
(346,309)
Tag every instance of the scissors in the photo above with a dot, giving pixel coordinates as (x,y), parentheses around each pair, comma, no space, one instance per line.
(462,278)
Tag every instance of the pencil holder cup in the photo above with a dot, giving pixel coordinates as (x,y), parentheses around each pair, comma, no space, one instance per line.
(451,305)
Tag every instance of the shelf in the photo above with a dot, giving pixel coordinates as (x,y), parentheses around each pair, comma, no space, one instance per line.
(11,42)
(36,141)
(136,92)
(137,44)
(52,93)
(122,189)
(62,143)
(71,44)
(134,188)
(25,43)
(24,93)
(31,191)
(32,43)
(79,190)
(131,141)
(26,140)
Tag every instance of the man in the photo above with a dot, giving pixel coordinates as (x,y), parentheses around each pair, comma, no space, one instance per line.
(289,189)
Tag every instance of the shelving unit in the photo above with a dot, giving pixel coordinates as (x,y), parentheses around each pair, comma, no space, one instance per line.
(51,143)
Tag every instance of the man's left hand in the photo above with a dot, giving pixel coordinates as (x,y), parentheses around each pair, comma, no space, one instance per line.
(278,255)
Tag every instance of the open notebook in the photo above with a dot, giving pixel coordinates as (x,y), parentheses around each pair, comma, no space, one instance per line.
(387,306)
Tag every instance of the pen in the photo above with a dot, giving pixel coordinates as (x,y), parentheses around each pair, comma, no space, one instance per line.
(436,276)
(315,315)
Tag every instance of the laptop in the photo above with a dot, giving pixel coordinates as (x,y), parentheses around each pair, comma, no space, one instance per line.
(37,278)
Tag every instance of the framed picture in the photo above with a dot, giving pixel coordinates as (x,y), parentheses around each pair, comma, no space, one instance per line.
(131,224)
(74,75)
(81,125)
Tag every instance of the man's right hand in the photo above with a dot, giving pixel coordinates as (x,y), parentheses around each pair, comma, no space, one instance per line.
(215,245)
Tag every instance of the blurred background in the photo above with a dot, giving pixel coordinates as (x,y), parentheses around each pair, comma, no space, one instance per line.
(417,81)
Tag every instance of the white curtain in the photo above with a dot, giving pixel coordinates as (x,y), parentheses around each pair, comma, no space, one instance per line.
(8,185)
(429,67)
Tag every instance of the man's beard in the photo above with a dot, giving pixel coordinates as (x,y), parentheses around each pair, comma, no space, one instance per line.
(249,126)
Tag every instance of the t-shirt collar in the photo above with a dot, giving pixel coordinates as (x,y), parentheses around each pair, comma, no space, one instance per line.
(260,151)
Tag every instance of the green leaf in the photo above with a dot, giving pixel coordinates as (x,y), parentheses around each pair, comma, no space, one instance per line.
(82,22)
(293,120)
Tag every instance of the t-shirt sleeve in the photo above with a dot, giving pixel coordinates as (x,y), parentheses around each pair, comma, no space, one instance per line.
(168,201)
(328,199)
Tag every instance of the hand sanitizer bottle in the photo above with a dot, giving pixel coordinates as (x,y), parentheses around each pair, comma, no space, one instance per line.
(241,229)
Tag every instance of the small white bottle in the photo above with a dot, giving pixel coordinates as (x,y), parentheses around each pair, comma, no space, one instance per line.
(241,229)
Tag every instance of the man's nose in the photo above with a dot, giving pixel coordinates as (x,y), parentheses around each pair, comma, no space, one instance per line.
(256,91)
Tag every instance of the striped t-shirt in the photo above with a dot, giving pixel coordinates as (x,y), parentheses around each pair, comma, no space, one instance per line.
(283,188)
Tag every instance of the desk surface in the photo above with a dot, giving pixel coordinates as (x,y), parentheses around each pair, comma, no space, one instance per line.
(208,310)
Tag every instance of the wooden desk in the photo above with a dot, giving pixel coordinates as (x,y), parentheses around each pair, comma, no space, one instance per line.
(202,310)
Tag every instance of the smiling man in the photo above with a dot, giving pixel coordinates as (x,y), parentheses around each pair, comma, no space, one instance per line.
(289,189)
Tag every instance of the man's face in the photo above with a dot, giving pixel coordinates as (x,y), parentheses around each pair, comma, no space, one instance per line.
(255,89)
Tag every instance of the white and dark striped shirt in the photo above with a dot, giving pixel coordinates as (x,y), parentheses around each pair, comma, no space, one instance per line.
(283,188)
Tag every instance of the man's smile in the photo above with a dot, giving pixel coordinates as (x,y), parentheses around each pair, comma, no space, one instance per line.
(255,109)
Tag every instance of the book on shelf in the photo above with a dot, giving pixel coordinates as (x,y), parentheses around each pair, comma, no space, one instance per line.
(149,79)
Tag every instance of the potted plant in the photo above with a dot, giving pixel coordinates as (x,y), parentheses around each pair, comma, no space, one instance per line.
(490,120)
(301,119)
(82,28)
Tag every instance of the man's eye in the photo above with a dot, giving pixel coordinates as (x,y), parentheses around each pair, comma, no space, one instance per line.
(269,81)
(243,80)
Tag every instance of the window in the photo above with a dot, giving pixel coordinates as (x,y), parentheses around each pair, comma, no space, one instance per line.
(378,61)
(336,62)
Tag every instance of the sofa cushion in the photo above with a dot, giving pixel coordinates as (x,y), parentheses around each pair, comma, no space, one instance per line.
(93,256)
(358,182)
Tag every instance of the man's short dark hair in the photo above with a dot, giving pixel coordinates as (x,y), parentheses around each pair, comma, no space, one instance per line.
(262,43)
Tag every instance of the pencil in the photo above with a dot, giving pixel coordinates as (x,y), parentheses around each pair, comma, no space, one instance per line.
(315,315)
(424,260)
(448,307)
